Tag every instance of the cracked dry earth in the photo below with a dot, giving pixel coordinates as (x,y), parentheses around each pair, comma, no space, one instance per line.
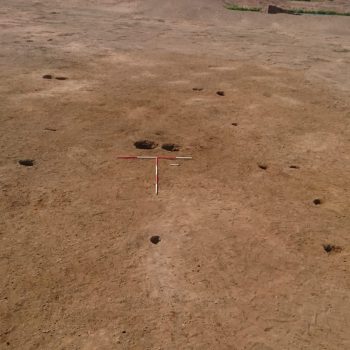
(253,246)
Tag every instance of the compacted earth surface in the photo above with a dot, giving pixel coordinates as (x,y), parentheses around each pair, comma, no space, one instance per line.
(246,245)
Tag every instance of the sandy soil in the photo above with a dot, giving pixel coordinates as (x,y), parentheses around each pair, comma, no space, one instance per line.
(241,262)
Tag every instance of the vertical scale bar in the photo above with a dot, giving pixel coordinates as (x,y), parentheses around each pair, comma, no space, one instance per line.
(156,175)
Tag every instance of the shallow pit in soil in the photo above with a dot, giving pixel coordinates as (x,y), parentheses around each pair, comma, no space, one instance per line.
(330,248)
(171,147)
(155,239)
(145,144)
(26,162)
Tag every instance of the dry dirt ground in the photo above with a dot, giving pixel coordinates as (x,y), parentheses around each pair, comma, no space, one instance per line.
(241,262)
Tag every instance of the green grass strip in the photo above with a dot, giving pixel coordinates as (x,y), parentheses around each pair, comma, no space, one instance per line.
(243,8)
(234,7)
(319,12)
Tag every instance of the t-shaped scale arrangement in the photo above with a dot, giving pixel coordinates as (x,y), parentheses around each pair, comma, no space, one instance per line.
(156,162)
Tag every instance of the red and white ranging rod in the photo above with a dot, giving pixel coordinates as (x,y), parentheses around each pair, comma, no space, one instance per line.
(157,163)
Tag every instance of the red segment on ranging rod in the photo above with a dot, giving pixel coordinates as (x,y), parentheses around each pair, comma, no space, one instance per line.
(156,163)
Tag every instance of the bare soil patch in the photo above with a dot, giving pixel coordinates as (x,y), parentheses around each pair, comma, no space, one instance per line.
(246,259)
